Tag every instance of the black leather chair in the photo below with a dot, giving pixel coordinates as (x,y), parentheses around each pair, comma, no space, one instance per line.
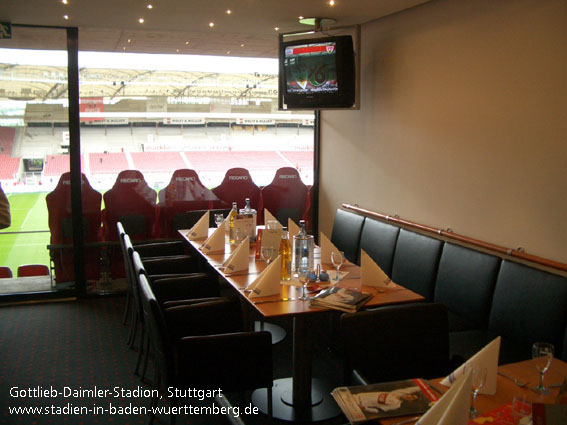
(396,342)
(465,284)
(378,240)
(346,234)
(202,346)
(416,261)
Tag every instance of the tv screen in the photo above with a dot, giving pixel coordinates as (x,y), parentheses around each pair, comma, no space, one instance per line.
(317,73)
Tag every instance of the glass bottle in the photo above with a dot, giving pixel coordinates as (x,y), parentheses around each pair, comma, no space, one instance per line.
(303,250)
(285,253)
(232,215)
(250,215)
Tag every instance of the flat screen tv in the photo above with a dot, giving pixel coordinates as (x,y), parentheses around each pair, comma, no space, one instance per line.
(317,73)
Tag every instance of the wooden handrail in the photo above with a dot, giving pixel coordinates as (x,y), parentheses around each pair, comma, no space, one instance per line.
(465,239)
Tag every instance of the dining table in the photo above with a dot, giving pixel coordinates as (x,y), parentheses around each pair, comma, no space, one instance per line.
(513,380)
(299,398)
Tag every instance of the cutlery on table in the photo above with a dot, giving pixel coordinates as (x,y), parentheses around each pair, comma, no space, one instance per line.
(516,381)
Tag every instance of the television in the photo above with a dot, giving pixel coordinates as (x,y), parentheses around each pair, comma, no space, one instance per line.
(317,73)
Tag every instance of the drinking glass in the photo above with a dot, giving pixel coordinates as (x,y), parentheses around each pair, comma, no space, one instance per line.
(267,254)
(337,258)
(543,353)
(478,377)
(521,407)
(304,277)
(219,218)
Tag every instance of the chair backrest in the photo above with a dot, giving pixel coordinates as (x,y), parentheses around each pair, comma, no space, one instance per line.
(133,202)
(59,211)
(346,234)
(236,186)
(286,196)
(465,284)
(396,342)
(33,270)
(155,322)
(378,240)
(5,272)
(530,305)
(184,193)
(416,260)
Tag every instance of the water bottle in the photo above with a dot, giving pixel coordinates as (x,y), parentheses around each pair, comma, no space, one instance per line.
(303,247)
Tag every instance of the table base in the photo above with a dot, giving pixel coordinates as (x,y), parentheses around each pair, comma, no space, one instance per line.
(278,333)
(323,406)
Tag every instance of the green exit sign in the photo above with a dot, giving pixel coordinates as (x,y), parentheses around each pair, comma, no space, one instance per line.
(5,30)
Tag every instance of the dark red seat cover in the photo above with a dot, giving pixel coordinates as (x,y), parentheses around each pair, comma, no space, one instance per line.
(185,192)
(60,226)
(286,196)
(132,202)
(236,186)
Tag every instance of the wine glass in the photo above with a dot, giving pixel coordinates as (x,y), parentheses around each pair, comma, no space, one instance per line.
(304,277)
(543,353)
(337,258)
(267,254)
(478,377)
(219,218)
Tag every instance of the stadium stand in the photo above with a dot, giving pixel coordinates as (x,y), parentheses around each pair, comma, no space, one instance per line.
(7,135)
(60,226)
(184,193)
(107,163)
(9,167)
(55,165)
(157,161)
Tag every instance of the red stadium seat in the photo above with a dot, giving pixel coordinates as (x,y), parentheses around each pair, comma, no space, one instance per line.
(132,202)
(26,270)
(286,196)
(184,193)
(5,272)
(60,225)
(236,186)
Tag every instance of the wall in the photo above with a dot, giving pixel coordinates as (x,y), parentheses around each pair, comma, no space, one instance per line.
(462,124)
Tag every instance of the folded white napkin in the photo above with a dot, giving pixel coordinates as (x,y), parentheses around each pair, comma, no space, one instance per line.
(292,228)
(268,282)
(453,407)
(200,229)
(215,242)
(486,358)
(239,259)
(370,273)
(327,247)
(269,217)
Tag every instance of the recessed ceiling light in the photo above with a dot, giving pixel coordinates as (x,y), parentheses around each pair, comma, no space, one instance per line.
(242,45)
(228,11)
(228,52)
(124,48)
(129,40)
(187,43)
(150,6)
(211,24)
(66,17)
(300,18)
(177,50)
(331,2)
(277,28)
(65,1)
(141,20)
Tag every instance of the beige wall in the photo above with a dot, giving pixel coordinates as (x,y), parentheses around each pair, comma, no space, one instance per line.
(462,124)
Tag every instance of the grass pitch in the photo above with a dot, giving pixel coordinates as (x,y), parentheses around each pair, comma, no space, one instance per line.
(29,214)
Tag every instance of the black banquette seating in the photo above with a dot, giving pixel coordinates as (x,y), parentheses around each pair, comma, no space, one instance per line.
(485,295)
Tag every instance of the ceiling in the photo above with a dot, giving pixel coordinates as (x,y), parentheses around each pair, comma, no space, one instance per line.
(181,26)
